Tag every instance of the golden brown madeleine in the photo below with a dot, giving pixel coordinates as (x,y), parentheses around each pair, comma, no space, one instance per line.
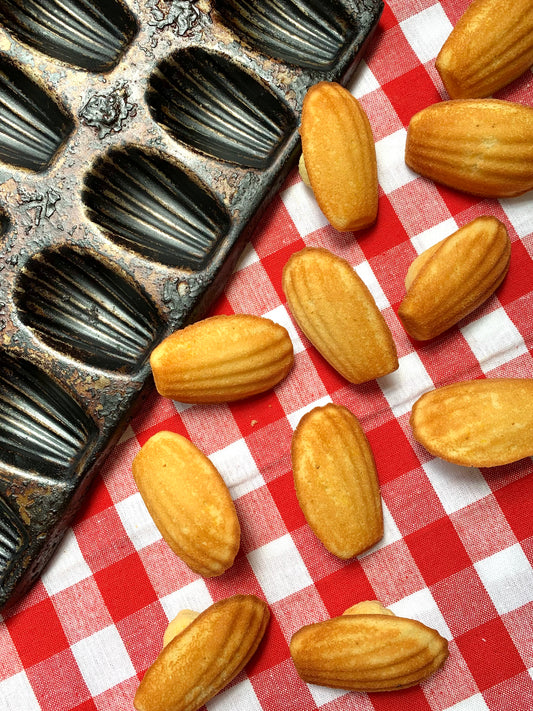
(338,314)
(477,423)
(222,358)
(489,47)
(367,651)
(189,502)
(205,656)
(454,277)
(336,480)
(479,146)
(340,156)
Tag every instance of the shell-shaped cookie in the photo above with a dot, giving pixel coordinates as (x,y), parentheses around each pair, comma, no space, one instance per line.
(477,423)
(340,156)
(336,480)
(89,34)
(338,314)
(222,358)
(33,126)
(189,502)
(205,656)
(489,47)
(365,652)
(152,206)
(479,146)
(455,277)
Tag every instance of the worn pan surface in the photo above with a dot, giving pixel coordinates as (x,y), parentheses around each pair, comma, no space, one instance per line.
(139,145)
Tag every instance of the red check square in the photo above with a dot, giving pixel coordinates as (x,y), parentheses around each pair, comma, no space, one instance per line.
(392,451)
(344,588)
(490,654)
(519,689)
(125,587)
(411,92)
(41,616)
(463,614)
(437,550)
(516,503)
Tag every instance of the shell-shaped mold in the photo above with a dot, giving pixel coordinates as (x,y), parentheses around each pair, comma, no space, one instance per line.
(87,34)
(33,126)
(151,206)
(82,307)
(13,538)
(42,428)
(216,107)
(307,33)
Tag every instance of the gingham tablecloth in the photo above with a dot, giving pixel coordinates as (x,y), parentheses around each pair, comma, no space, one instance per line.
(458,547)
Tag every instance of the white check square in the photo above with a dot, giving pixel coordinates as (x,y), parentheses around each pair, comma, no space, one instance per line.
(393,172)
(103,660)
(364,271)
(323,695)
(518,210)
(16,694)
(421,606)
(391,532)
(473,703)
(67,567)
(249,256)
(239,697)
(194,596)
(508,578)
(238,468)
(281,316)
(455,486)
(433,235)
(295,417)
(303,209)
(363,81)
(279,568)
(403,387)
(138,523)
(427,31)
(494,340)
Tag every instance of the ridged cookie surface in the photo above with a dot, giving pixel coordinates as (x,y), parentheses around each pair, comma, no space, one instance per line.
(452,278)
(489,47)
(336,480)
(479,146)
(367,652)
(339,156)
(477,423)
(189,502)
(221,359)
(338,314)
(205,656)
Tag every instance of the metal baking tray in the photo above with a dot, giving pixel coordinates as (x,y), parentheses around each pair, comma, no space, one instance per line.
(139,145)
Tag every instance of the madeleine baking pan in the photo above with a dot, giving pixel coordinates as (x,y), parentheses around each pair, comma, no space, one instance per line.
(139,145)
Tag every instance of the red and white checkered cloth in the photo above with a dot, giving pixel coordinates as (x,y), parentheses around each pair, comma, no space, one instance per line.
(458,547)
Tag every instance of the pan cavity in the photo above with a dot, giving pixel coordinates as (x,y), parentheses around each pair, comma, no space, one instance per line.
(86,309)
(87,34)
(43,430)
(148,204)
(33,127)
(216,107)
(305,33)
(13,539)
